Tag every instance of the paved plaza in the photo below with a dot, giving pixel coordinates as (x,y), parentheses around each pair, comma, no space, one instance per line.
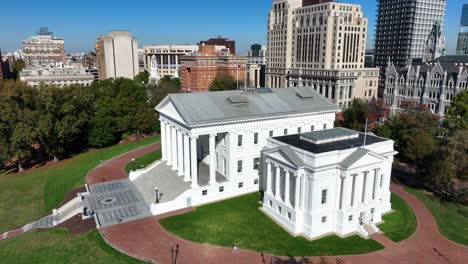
(116,202)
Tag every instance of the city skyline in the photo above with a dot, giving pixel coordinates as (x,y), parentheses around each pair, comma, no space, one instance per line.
(80,29)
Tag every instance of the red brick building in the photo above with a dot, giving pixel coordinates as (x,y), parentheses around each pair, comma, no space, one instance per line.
(230,44)
(198,71)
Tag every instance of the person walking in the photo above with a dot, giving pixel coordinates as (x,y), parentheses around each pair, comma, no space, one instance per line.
(235,249)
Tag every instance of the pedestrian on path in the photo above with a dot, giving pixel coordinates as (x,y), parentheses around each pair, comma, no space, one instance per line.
(235,250)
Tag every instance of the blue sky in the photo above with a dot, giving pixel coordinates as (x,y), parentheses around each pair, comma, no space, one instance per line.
(80,22)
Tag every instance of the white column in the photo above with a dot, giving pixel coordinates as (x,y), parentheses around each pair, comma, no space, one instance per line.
(365,182)
(375,184)
(180,153)
(163,140)
(342,190)
(194,162)
(212,159)
(231,156)
(287,187)
(297,192)
(174,147)
(168,142)
(269,185)
(356,190)
(186,158)
(277,186)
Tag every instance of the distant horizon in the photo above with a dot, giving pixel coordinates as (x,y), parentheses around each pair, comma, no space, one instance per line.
(187,25)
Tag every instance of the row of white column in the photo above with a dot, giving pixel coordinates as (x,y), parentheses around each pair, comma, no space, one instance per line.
(289,175)
(179,150)
(367,192)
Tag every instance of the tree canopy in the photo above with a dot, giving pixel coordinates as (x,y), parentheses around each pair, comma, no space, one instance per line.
(48,121)
(223,81)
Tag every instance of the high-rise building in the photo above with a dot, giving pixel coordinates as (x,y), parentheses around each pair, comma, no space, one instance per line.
(43,49)
(117,55)
(462,45)
(408,29)
(199,70)
(219,41)
(319,43)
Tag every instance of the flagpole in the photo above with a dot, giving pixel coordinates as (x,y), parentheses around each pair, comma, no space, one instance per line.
(365,134)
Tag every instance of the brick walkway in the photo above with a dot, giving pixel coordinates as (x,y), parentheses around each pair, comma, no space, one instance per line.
(147,240)
(113,169)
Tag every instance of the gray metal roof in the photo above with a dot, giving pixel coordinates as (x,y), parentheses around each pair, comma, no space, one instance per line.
(355,156)
(216,107)
(330,135)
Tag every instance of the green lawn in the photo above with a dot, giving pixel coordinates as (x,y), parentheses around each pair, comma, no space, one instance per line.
(30,195)
(57,246)
(400,224)
(239,221)
(452,218)
(143,161)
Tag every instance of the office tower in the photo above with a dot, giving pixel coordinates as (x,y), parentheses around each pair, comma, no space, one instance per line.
(117,55)
(320,43)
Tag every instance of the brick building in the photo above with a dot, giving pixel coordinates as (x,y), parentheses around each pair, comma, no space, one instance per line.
(230,44)
(198,71)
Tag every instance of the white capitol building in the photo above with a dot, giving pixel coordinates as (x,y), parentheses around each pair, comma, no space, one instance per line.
(316,180)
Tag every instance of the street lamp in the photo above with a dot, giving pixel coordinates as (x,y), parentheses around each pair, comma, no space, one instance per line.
(176,251)
(157,194)
(100,152)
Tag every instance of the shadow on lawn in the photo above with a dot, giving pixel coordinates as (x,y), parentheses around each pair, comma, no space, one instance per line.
(303,260)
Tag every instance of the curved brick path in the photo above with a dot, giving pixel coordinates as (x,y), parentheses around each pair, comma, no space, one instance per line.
(147,240)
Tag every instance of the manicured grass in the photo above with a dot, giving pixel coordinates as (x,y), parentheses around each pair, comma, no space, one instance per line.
(400,224)
(451,218)
(28,196)
(239,221)
(57,246)
(143,161)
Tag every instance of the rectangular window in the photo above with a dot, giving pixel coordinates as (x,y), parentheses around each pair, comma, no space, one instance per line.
(255,181)
(312,128)
(221,188)
(324,126)
(372,210)
(239,140)
(255,138)
(350,218)
(240,184)
(271,133)
(239,166)
(279,209)
(324,219)
(256,162)
(289,215)
(381,180)
(271,203)
(204,192)
(298,130)
(324,196)
(285,131)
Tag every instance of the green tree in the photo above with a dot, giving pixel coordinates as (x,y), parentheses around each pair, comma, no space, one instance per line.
(64,114)
(223,81)
(436,168)
(102,131)
(457,114)
(18,66)
(457,151)
(142,77)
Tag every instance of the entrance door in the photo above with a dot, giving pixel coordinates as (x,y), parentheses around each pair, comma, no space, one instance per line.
(189,201)
(361,218)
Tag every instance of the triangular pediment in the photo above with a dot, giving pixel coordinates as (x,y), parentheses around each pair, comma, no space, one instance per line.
(287,156)
(360,158)
(168,109)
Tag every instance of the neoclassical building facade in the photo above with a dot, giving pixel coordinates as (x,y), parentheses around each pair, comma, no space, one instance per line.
(434,84)
(330,181)
(211,142)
